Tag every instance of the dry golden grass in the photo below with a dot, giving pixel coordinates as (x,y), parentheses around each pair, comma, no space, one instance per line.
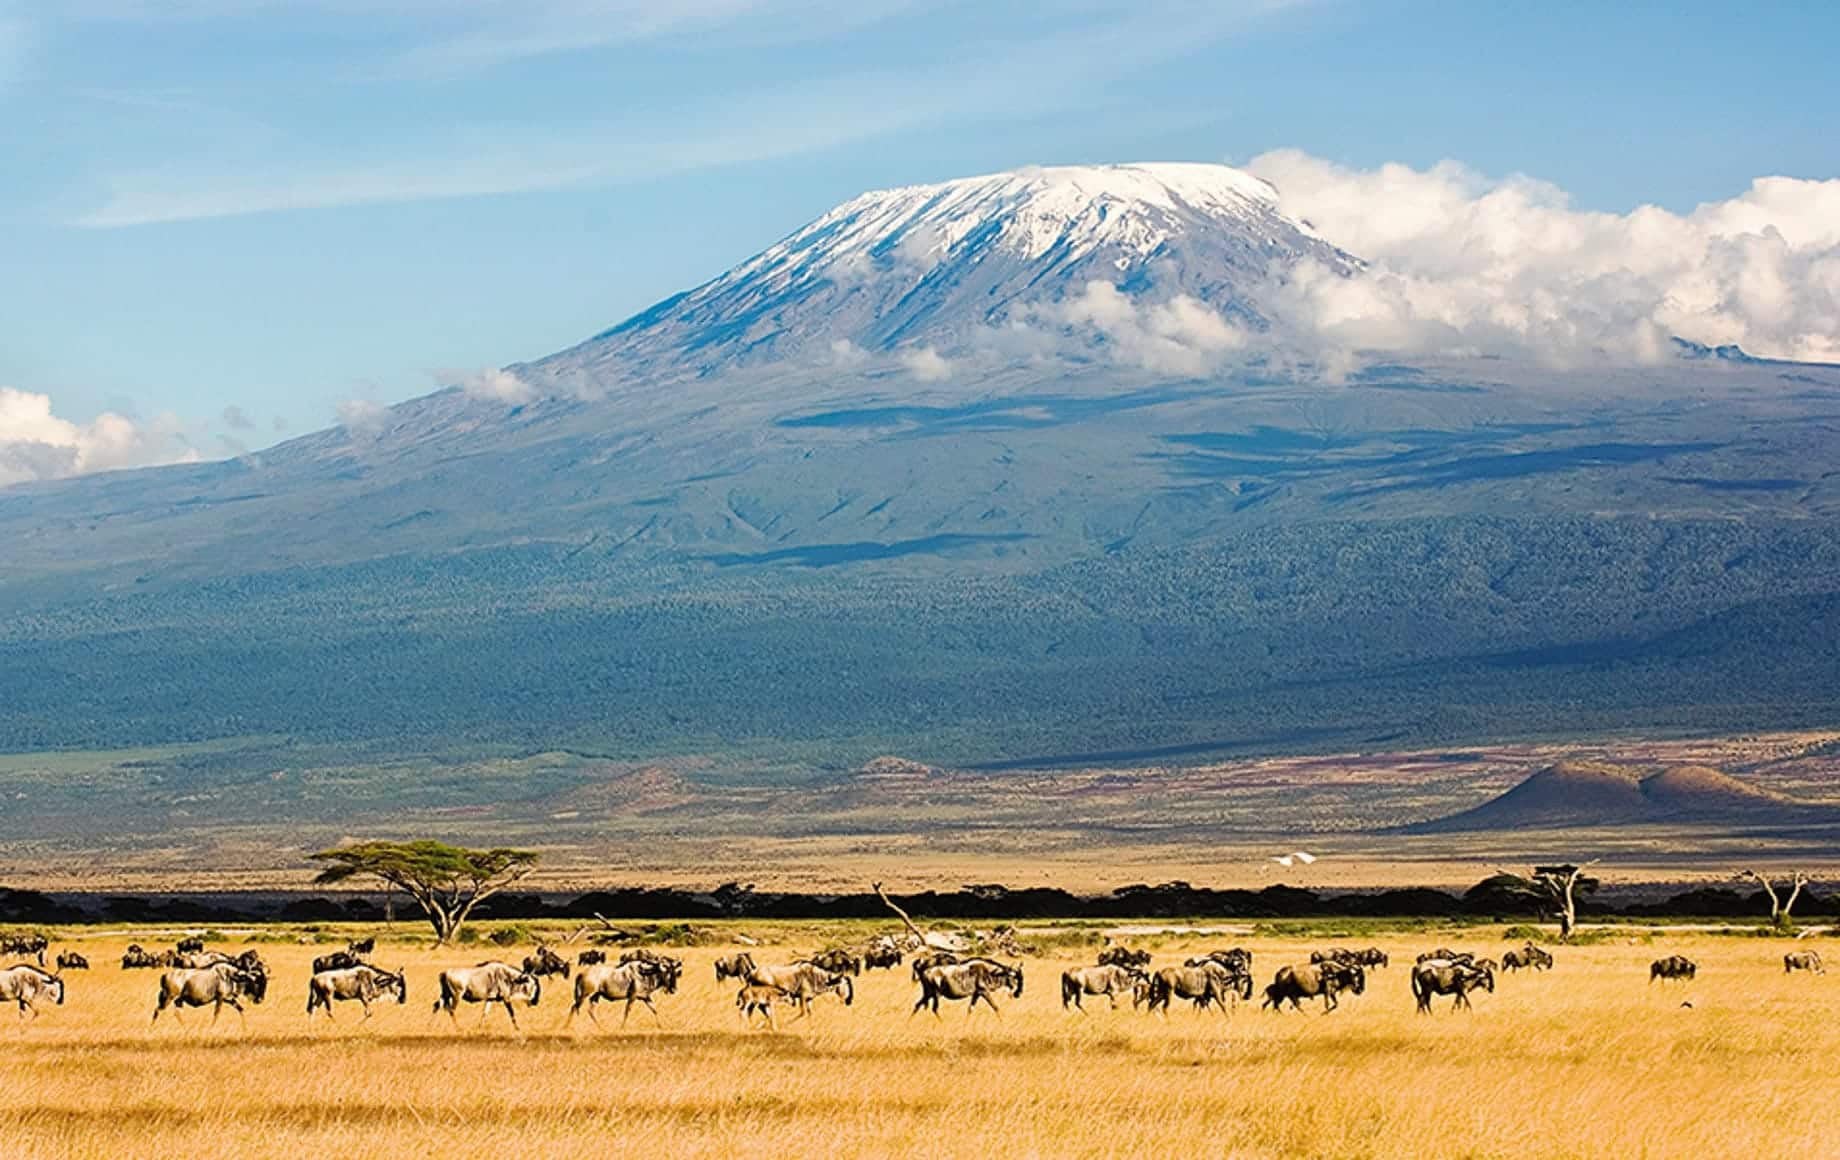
(1590,1060)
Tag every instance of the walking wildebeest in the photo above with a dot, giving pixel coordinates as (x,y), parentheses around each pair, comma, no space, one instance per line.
(71,961)
(839,961)
(336,961)
(1672,967)
(634,982)
(1124,957)
(974,979)
(758,998)
(735,966)
(927,960)
(362,982)
(546,962)
(1527,957)
(589,958)
(487,983)
(802,982)
(1307,982)
(1204,984)
(1803,961)
(216,987)
(1444,977)
(26,984)
(1110,980)
(26,944)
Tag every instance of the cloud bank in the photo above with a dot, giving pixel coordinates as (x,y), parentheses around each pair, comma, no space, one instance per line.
(1460,262)
(36,443)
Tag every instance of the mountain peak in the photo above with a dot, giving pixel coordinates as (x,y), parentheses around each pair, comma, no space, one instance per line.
(956,265)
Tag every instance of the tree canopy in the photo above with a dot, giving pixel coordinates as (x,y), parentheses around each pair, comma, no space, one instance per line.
(447,882)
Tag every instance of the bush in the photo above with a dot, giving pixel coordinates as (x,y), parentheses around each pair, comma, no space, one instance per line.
(510,936)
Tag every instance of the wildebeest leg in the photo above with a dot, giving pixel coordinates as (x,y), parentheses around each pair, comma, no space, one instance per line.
(509,1010)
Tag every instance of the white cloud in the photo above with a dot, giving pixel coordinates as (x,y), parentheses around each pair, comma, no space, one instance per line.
(926,364)
(496,384)
(36,443)
(362,416)
(1461,262)
(1181,335)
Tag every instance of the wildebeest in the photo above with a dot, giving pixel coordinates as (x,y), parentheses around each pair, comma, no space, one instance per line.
(883,953)
(362,982)
(838,961)
(215,987)
(71,961)
(1108,979)
(1204,984)
(1803,961)
(1372,957)
(1124,957)
(26,944)
(1307,982)
(487,983)
(803,982)
(735,966)
(1672,967)
(974,979)
(1527,957)
(1333,955)
(1238,959)
(26,984)
(1445,954)
(189,946)
(362,946)
(758,998)
(589,958)
(336,961)
(546,962)
(634,982)
(646,955)
(1445,977)
(137,957)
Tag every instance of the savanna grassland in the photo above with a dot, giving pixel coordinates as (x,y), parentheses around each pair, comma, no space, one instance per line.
(1589,1060)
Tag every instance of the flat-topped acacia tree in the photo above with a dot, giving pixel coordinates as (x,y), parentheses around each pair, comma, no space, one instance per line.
(447,882)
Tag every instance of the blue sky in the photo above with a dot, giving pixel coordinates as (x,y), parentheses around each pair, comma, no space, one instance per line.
(275,206)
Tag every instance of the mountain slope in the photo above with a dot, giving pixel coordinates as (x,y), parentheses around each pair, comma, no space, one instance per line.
(1582,793)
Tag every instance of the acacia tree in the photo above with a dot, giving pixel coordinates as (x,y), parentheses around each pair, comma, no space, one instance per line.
(1779,906)
(447,882)
(1557,888)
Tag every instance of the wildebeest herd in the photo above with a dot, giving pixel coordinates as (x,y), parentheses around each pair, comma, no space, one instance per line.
(195,976)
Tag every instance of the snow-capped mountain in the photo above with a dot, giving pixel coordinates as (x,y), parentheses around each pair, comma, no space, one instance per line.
(947,265)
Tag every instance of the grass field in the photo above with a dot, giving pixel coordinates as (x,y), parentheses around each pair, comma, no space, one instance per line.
(1589,1060)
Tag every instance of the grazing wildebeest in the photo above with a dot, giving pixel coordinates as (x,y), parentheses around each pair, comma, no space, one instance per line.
(1124,957)
(974,979)
(1803,961)
(882,954)
(1445,977)
(802,982)
(215,987)
(362,982)
(26,984)
(646,955)
(589,958)
(1203,984)
(840,961)
(487,983)
(71,961)
(336,961)
(1334,955)
(634,982)
(1445,954)
(137,957)
(735,966)
(362,946)
(1672,967)
(1110,980)
(189,946)
(1307,982)
(928,960)
(546,962)
(1372,957)
(1528,957)
(758,998)
(26,944)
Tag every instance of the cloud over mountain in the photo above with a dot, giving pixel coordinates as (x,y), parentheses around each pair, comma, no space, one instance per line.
(36,443)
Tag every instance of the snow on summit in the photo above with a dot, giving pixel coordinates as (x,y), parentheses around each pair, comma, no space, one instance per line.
(924,269)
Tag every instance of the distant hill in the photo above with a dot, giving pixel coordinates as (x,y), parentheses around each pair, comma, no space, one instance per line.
(1586,793)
